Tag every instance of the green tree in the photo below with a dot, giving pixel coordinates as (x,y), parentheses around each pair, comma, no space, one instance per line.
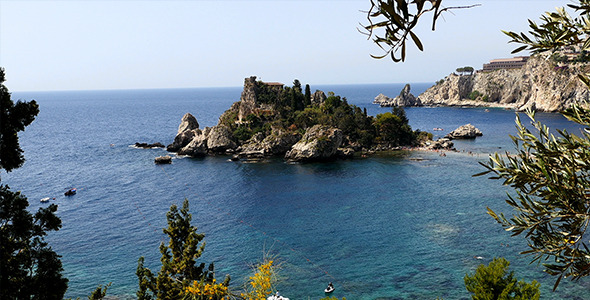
(393,128)
(29,268)
(307,95)
(551,174)
(179,269)
(493,282)
(13,118)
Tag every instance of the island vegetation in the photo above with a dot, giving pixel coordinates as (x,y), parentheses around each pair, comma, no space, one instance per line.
(273,120)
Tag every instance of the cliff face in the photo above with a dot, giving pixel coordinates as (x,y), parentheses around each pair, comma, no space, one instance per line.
(540,85)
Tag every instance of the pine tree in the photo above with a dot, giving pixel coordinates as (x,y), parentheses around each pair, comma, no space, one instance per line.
(179,269)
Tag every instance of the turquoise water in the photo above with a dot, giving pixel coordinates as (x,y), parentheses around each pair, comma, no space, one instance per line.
(402,227)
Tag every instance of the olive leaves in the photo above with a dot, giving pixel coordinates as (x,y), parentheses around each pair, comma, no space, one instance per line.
(392,23)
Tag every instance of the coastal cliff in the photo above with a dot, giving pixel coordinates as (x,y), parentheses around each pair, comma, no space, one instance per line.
(542,84)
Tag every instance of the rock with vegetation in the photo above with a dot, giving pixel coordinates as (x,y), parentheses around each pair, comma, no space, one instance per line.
(270,119)
(543,83)
(319,143)
(464,132)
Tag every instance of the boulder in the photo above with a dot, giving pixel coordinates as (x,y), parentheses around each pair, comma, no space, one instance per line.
(197,146)
(188,122)
(186,132)
(318,97)
(182,139)
(319,143)
(441,144)
(277,143)
(464,132)
(149,146)
(163,160)
(220,139)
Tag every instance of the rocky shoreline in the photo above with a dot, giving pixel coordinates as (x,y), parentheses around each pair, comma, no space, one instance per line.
(316,143)
(542,84)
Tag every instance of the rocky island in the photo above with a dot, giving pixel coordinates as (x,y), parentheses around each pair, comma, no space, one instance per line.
(271,120)
(542,83)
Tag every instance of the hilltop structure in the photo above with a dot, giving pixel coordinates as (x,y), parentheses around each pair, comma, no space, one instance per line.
(505,63)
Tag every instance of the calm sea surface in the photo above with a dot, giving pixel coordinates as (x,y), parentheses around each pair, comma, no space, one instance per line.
(403,227)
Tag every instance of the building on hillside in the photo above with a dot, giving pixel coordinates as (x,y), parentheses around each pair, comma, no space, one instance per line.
(275,85)
(505,63)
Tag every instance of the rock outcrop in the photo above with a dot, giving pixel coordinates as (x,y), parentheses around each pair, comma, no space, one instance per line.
(405,98)
(220,139)
(198,145)
(149,146)
(441,144)
(161,160)
(318,97)
(541,84)
(464,132)
(319,143)
(186,132)
(275,144)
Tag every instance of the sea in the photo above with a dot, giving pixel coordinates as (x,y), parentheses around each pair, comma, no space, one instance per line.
(409,225)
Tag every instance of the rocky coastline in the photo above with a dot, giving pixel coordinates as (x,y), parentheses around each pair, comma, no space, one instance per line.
(313,143)
(542,84)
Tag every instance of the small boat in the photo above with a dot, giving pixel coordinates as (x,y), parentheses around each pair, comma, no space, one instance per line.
(329,289)
(437,129)
(46,199)
(277,296)
(70,192)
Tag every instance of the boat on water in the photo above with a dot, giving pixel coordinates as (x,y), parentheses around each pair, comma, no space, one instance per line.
(329,289)
(437,129)
(70,192)
(277,296)
(44,200)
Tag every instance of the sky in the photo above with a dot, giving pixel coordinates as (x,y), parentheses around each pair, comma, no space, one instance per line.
(133,44)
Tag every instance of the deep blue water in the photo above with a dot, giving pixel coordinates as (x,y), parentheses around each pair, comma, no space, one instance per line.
(403,227)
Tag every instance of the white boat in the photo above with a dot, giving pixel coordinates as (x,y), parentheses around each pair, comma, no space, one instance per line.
(46,199)
(329,289)
(277,296)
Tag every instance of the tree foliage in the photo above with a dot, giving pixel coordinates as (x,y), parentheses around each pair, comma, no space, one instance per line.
(393,22)
(465,70)
(179,272)
(551,173)
(551,176)
(29,268)
(14,117)
(493,282)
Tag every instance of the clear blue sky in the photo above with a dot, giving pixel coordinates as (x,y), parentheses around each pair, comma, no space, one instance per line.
(79,45)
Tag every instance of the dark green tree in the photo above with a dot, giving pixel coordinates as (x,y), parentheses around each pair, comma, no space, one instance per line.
(393,128)
(29,268)
(179,260)
(493,282)
(307,101)
(13,119)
